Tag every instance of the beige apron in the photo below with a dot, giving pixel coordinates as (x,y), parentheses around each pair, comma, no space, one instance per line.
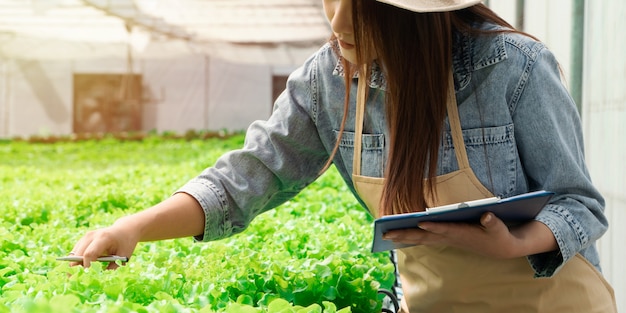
(447,279)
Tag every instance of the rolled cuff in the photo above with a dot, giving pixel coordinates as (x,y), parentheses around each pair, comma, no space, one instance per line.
(214,204)
(547,264)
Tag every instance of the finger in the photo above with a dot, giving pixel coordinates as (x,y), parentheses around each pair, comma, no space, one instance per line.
(401,233)
(121,252)
(487,220)
(102,244)
(456,234)
(442,228)
(112,265)
(491,223)
(408,236)
(108,242)
(80,246)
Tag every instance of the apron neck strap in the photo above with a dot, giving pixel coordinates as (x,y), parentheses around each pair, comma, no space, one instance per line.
(455,126)
(453,118)
(360,112)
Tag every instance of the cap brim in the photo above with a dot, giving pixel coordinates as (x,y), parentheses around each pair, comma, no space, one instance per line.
(424,6)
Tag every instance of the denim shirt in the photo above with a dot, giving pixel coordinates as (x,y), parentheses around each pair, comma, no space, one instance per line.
(521,129)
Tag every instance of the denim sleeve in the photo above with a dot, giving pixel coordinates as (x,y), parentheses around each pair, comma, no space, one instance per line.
(550,142)
(279,158)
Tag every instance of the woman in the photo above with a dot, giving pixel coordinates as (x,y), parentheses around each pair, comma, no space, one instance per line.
(448,92)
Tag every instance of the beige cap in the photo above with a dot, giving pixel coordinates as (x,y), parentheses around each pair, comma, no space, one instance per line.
(431,5)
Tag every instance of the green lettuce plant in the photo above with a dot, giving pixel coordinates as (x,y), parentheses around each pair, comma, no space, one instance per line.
(317,260)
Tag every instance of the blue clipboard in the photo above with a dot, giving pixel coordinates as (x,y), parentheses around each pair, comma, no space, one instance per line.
(512,210)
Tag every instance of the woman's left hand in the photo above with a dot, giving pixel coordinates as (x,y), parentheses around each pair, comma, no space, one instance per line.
(490,238)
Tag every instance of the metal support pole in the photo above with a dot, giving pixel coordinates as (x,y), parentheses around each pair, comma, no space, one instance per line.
(578,36)
(519,17)
(207,89)
(5,102)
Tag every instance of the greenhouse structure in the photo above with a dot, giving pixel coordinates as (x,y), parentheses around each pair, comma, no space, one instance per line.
(104,66)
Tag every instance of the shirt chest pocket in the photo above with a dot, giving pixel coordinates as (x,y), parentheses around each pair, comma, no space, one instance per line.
(492,155)
(372,153)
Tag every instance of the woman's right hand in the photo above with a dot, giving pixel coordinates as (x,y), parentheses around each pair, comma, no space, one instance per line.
(119,239)
(178,216)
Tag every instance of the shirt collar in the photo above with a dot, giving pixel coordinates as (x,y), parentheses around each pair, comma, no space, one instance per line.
(472,53)
(377,79)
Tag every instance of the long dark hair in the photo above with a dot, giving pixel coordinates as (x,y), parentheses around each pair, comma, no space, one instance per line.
(415,54)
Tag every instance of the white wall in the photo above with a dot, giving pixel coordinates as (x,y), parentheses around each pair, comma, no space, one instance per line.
(36,100)
(604,115)
(549,21)
(183,93)
(603,107)
(238,99)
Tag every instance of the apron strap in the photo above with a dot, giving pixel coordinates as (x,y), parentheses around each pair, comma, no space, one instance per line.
(455,126)
(453,118)
(360,112)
